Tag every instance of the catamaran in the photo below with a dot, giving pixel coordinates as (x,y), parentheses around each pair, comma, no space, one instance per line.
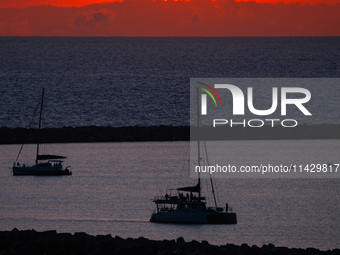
(45,164)
(187,205)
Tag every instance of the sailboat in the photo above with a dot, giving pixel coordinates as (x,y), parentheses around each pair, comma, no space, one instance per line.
(189,206)
(45,164)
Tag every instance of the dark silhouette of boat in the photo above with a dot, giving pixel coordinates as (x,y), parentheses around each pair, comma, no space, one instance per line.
(189,206)
(45,164)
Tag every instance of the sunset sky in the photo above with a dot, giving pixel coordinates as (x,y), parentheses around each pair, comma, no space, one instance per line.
(169,18)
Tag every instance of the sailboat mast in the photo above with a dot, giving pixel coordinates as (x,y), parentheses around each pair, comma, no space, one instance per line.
(40,117)
(198,145)
(211,181)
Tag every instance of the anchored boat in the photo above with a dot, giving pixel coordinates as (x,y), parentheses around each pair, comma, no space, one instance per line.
(187,205)
(44,164)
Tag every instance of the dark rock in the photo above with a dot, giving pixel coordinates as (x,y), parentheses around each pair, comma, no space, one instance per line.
(118,238)
(274,250)
(283,250)
(163,133)
(222,249)
(163,252)
(143,239)
(205,242)
(270,246)
(49,232)
(178,251)
(50,242)
(312,251)
(65,235)
(80,234)
(104,236)
(94,134)
(194,242)
(244,246)
(180,240)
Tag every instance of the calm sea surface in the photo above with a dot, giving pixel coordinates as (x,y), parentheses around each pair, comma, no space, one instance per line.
(144,81)
(112,185)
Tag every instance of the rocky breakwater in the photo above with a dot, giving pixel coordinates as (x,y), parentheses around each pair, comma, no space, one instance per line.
(164,133)
(51,242)
(94,134)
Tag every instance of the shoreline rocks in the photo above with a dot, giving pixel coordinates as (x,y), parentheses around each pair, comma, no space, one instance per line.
(164,133)
(51,242)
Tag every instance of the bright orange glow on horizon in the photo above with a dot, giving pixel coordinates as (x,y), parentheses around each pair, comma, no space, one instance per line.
(310,2)
(81,3)
(170,18)
(57,3)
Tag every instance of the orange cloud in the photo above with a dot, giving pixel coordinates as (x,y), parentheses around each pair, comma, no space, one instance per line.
(82,3)
(311,2)
(57,3)
(173,18)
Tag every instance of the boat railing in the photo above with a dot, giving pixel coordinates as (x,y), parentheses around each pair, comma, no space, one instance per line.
(179,198)
(158,198)
(166,198)
(166,209)
(17,164)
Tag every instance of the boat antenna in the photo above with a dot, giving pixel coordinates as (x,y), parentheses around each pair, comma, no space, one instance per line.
(40,116)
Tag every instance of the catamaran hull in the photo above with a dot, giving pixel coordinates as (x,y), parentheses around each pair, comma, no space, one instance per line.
(50,171)
(194,218)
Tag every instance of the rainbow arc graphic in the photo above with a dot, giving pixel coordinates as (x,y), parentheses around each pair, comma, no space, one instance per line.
(210,94)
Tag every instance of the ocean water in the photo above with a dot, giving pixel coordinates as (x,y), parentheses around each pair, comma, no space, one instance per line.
(112,186)
(145,82)
(142,81)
